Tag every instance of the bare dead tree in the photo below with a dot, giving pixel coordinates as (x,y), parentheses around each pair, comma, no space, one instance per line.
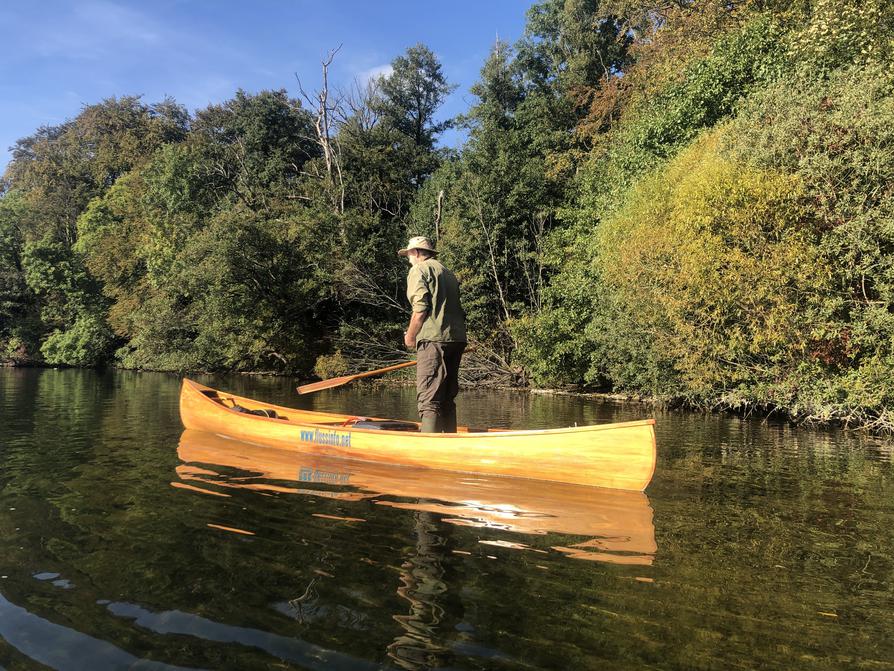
(534,270)
(358,285)
(328,109)
(482,220)
(367,350)
(232,169)
(359,105)
(484,366)
(438,215)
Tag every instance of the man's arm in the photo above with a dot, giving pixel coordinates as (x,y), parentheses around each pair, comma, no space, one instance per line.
(413,329)
(420,303)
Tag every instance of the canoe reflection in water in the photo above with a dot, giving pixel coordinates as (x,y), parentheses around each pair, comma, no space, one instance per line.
(617,522)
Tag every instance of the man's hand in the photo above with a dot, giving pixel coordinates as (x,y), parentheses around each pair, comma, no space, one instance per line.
(413,329)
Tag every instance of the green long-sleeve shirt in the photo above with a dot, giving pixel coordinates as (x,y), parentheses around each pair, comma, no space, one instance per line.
(433,288)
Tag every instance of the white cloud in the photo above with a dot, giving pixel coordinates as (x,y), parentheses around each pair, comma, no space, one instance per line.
(370,74)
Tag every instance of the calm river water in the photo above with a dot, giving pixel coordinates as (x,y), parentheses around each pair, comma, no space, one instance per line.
(128,543)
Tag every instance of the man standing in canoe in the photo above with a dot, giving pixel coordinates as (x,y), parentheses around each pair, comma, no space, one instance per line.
(438,332)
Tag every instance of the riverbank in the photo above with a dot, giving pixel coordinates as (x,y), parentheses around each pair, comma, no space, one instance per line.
(858,420)
(855,421)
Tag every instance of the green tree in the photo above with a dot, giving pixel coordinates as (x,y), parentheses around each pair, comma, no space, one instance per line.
(61,168)
(385,146)
(57,171)
(498,200)
(835,134)
(254,146)
(572,46)
(19,320)
(71,305)
(407,101)
(412,93)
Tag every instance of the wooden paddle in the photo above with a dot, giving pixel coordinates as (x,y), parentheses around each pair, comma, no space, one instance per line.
(344,379)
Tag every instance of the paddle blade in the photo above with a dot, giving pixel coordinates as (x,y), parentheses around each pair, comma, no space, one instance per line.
(325,384)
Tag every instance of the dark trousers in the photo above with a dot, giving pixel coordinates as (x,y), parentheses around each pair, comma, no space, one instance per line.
(437,384)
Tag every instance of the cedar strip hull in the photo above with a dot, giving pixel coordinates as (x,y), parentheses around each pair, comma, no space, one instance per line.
(619,456)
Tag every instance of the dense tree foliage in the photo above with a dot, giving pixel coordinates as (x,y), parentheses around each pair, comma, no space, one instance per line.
(690,199)
(727,222)
(235,238)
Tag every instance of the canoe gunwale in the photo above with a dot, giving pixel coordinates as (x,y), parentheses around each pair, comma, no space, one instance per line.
(197,388)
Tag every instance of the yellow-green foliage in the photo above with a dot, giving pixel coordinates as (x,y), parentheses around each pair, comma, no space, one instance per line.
(837,135)
(331,365)
(843,32)
(715,264)
(709,90)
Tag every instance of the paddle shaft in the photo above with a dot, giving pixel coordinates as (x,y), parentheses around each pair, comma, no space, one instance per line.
(345,379)
(380,371)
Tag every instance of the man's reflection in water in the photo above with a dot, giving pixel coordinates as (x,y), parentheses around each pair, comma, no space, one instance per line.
(423,585)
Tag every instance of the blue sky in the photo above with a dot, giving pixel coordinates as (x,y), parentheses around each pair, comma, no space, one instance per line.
(59,56)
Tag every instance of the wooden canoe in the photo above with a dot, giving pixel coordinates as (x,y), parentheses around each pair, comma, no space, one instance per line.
(618,456)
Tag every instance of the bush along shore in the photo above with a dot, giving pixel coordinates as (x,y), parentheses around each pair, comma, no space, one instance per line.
(688,201)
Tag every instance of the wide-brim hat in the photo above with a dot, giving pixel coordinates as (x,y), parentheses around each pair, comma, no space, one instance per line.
(418,242)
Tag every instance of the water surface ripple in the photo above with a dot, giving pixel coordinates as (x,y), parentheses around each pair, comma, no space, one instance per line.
(129,543)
